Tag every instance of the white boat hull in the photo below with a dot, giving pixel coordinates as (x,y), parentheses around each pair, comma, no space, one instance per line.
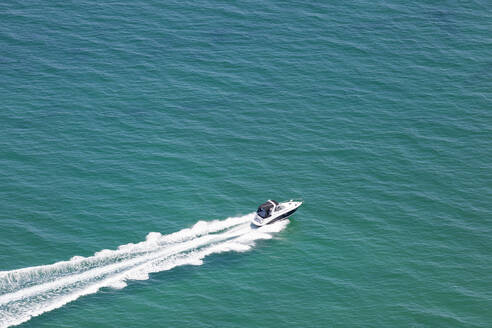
(282,212)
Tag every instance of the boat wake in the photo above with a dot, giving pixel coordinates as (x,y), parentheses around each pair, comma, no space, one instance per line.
(31,291)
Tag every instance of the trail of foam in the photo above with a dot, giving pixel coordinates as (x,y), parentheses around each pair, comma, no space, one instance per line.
(35,290)
(157,252)
(21,278)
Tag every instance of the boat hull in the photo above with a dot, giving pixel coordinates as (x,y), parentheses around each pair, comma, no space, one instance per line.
(259,222)
(283,216)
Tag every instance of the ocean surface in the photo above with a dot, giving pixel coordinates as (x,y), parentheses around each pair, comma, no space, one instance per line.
(138,137)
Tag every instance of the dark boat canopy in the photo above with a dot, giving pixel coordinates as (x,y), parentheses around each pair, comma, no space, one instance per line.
(265,209)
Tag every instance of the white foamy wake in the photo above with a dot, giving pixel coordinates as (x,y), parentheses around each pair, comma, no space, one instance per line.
(29,292)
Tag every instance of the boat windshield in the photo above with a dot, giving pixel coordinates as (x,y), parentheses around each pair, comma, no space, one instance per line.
(265,209)
(263,212)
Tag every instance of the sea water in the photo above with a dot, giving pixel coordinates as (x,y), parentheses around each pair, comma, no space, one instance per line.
(136,139)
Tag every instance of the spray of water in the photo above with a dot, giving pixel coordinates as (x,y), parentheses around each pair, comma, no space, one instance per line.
(31,291)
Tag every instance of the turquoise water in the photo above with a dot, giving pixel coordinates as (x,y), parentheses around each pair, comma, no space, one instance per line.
(124,122)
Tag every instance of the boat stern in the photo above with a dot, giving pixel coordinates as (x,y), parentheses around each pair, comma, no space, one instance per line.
(258,221)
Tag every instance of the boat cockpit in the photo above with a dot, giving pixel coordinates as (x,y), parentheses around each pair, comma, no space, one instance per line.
(266,209)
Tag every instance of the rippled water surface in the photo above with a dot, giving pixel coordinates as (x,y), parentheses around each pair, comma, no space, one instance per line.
(136,139)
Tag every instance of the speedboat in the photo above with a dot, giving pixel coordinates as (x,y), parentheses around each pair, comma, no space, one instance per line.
(272,211)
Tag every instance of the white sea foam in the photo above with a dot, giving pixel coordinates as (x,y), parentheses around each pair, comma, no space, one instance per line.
(29,292)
